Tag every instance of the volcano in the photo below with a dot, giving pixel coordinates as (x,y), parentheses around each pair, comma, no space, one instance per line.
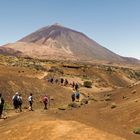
(56,42)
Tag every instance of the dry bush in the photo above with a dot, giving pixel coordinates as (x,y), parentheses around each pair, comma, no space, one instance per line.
(88,84)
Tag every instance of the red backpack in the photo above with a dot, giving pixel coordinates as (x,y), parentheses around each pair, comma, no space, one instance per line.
(45,99)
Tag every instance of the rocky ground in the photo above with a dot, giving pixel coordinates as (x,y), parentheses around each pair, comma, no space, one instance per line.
(109,110)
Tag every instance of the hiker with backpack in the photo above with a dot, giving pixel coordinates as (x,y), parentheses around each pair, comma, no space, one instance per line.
(73,84)
(66,82)
(77,95)
(30,99)
(51,80)
(1,105)
(15,100)
(61,81)
(20,102)
(76,86)
(45,101)
(73,96)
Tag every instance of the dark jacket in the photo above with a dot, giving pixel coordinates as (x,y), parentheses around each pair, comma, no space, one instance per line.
(1,101)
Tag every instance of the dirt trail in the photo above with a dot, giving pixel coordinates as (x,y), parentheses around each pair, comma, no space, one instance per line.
(41,76)
(41,126)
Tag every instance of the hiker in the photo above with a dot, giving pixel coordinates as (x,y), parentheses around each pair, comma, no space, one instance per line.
(20,102)
(45,101)
(1,105)
(51,80)
(30,99)
(15,99)
(77,95)
(66,82)
(73,84)
(76,86)
(61,80)
(73,97)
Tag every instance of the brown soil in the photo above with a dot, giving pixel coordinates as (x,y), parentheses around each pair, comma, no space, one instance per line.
(37,125)
(93,121)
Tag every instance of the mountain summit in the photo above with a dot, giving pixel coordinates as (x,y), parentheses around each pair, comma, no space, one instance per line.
(61,43)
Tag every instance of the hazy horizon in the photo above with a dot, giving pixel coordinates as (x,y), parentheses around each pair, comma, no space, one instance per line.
(112,23)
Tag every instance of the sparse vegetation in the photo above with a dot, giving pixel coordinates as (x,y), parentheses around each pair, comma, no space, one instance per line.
(64,107)
(84,101)
(88,84)
(109,69)
(113,105)
(74,105)
(134,91)
(136,130)
(137,73)
(7,106)
(92,98)
(107,98)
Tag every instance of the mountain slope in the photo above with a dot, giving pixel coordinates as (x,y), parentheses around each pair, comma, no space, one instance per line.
(58,42)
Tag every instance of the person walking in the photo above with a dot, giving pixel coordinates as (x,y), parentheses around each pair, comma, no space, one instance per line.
(15,100)
(45,101)
(73,84)
(73,96)
(66,82)
(61,81)
(1,105)
(77,95)
(76,86)
(30,99)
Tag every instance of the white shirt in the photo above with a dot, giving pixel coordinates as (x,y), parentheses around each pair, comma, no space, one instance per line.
(30,98)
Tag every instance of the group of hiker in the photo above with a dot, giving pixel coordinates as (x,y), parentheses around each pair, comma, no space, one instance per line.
(63,82)
(75,96)
(60,81)
(18,101)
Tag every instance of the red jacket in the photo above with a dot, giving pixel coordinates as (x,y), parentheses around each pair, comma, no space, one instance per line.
(45,99)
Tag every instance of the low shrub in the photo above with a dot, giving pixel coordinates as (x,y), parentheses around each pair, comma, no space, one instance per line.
(74,105)
(134,91)
(84,101)
(64,107)
(113,105)
(136,130)
(108,98)
(7,106)
(92,98)
(88,84)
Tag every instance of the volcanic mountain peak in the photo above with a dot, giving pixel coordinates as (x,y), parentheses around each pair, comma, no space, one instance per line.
(53,31)
(57,24)
(61,43)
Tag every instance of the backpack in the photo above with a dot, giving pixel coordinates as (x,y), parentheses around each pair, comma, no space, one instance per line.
(20,100)
(73,95)
(15,99)
(77,94)
(45,99)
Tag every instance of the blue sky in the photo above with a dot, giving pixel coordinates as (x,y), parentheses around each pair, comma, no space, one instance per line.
(115,24)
